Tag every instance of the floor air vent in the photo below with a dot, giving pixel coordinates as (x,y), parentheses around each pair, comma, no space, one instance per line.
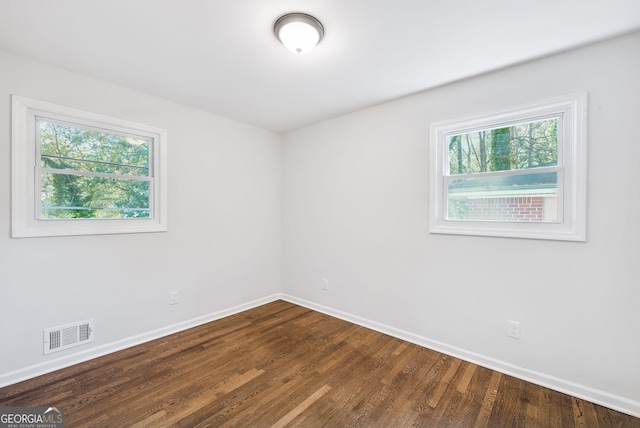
(67,336)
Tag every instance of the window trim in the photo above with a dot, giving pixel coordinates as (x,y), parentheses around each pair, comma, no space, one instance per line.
(572,179)
(25,167)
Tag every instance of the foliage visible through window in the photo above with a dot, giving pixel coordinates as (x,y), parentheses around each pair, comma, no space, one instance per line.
(91,174)
(504,174)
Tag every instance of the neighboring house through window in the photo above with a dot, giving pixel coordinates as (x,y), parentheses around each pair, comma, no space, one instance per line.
(519,172)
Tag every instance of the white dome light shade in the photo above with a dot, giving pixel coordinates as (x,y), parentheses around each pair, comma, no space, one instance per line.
(299,37)
(298,32)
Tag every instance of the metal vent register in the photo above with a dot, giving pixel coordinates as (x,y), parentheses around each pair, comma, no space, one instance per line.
(67,336)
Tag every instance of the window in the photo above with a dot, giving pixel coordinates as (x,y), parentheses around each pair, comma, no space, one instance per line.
(79,173)
(519,172)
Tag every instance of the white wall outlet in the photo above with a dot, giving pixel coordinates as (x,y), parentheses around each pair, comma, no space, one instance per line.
(513,329)
(325,284)
(173,298)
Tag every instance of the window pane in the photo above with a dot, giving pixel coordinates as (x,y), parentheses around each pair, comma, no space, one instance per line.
(76,196)
(511,198)
(526,145)
(68,147)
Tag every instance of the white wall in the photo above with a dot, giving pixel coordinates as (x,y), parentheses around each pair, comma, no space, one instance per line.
(222,249)
(356,212)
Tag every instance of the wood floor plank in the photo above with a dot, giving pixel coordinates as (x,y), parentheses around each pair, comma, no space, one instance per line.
(469,371)
(543,413)
(283,421)
(584,413)
(488,400)
(285,365)
(431,381)
(507,411)
(444,383)
(473,389)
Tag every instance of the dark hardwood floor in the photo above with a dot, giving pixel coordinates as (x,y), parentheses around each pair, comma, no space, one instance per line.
(284,365)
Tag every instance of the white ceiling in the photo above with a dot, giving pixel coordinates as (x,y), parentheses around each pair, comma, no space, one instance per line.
(222,56)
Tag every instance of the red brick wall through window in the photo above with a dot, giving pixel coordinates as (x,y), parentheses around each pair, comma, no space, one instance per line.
(525,209)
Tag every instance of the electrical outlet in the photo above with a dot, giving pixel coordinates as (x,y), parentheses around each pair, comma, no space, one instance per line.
(513,329)
(173,298)
(325,284)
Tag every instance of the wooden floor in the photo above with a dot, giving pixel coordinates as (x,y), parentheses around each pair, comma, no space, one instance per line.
(283,365)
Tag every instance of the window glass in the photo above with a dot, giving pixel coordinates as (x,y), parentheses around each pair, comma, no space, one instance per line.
(493,163)
(78,196)
(525,145)
(92,174)
(519,198)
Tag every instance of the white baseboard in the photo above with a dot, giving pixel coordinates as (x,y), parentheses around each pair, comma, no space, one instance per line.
(593,395)
(89,354)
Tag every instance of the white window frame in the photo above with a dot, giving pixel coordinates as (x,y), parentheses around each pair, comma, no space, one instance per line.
(571,168)
(25,172)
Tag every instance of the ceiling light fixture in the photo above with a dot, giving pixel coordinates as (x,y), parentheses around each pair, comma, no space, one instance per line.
(298,32)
